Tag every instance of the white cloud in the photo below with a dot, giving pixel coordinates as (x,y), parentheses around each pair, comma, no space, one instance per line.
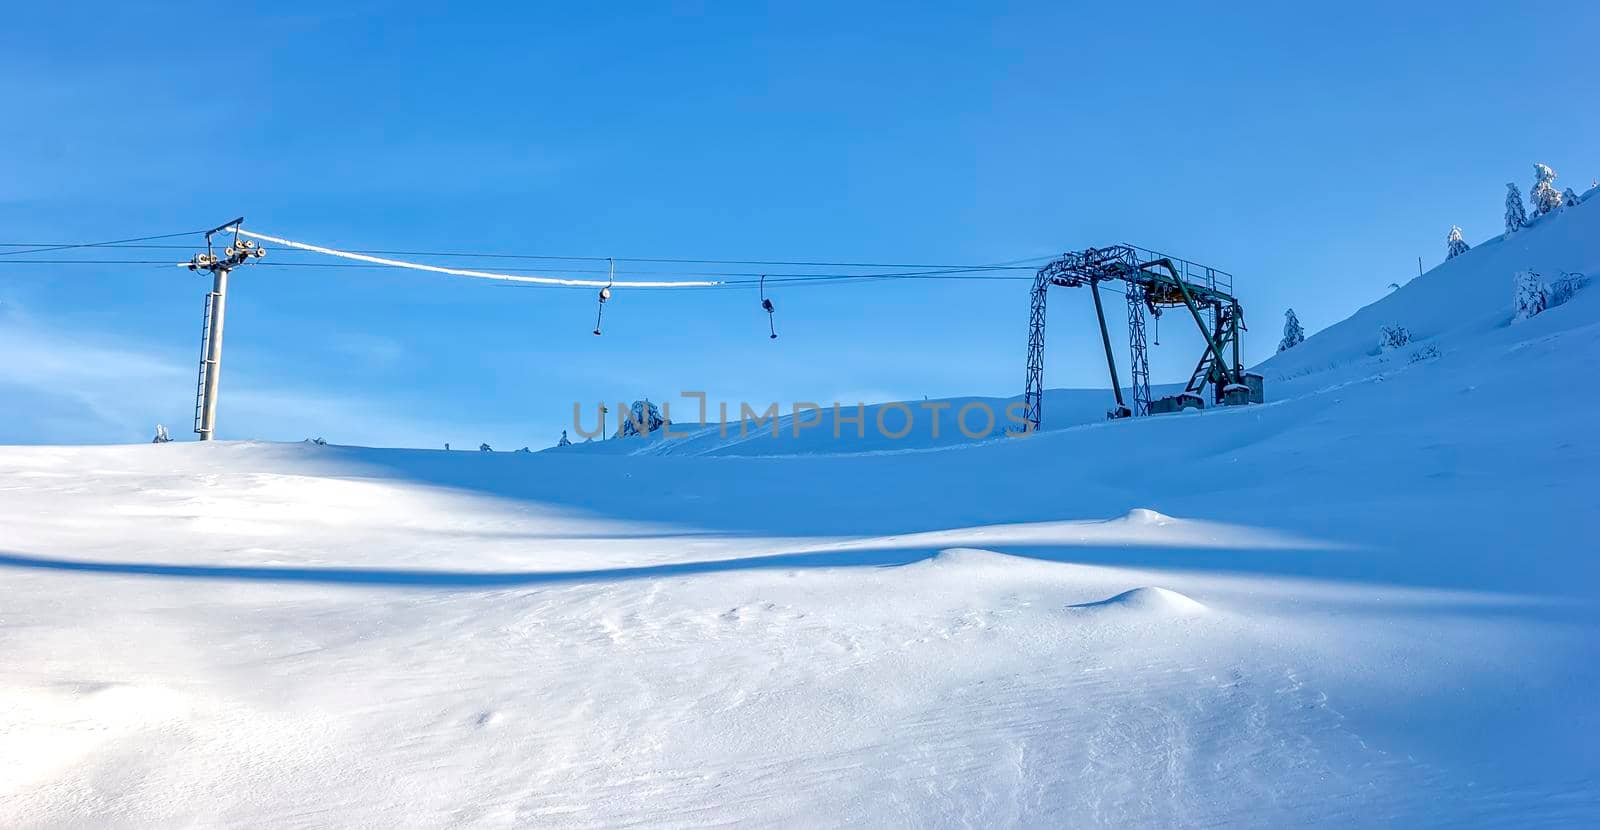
(59,384)
(77,388)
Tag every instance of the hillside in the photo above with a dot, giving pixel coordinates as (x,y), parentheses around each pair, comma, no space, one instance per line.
(1463,303)
(1459,303)
(1370,602)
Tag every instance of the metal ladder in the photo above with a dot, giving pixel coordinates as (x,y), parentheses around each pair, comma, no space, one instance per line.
(205,364)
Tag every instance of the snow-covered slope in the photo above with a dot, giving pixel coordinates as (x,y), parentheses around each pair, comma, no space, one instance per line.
(1460,301)
(1371,602)
(932,423)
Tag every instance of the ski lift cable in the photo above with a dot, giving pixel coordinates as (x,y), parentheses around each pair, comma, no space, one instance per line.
(462,272)
(719,281)
(973,274)
(107,244)
(738,277)
(1013,265)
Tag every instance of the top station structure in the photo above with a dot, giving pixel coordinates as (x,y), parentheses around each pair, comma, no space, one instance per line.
(1150,282)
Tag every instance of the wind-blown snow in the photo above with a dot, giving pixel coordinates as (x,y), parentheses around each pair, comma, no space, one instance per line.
(1155,601)
(1371,601)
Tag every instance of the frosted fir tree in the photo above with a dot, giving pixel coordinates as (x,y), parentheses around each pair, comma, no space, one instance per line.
(1530,295)
(565,441)
(1564,287)
(1568,198)
(642,414)
(1293,334)
(1544,195)
(161,435)
(1393,337)
(1457,246)
(1516,215)
(485,448)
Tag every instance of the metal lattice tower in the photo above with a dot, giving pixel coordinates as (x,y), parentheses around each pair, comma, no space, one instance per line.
(1033,395)
(1139,362)
(1150,280)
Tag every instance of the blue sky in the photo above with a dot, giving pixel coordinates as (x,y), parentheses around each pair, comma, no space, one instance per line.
(1315,152)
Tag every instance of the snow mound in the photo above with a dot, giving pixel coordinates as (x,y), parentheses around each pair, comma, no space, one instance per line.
(1148,601)
(1146,516)
(957,556)
(973,558)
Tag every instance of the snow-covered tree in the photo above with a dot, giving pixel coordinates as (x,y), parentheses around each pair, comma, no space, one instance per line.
(161,435)
(1564,287)
(1293,334)
(1456,245)
(1393,337)
(1544,195)
(1516,214)
(1568,198)
(642,414)
(485,448)
(565,441)
(1530,295)
(1428,352)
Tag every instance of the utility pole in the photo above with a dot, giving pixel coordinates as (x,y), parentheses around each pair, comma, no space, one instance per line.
(233,256)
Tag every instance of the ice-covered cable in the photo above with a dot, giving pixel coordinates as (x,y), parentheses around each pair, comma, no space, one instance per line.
(485,275)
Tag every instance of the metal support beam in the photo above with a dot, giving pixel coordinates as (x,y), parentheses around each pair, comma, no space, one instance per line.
(1205,331)
(1234,313)
(1220,377)
(1111,361)
(235,255)
(211,363)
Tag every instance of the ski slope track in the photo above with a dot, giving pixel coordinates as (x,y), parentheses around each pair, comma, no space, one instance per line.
(1369,602)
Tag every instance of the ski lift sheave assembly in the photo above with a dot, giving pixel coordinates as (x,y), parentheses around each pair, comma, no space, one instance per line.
(232,257)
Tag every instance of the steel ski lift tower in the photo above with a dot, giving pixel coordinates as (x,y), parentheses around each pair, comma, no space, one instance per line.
(233,256)
(1151,282)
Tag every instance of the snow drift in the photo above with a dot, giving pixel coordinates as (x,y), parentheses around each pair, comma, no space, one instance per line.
(1152,601)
